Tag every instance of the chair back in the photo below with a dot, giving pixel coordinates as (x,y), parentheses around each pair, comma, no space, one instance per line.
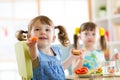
(23,60)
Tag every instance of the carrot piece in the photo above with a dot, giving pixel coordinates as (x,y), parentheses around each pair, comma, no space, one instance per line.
(34,38)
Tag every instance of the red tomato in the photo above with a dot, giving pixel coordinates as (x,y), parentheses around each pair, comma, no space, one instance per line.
(82,70)
(77,71)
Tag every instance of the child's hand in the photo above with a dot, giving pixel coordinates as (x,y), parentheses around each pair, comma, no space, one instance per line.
(32,46)
(77,53)
(32,41)
(117,56)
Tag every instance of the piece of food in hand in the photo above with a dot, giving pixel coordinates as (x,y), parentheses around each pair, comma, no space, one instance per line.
(34,38)
(76,52)
(82,70)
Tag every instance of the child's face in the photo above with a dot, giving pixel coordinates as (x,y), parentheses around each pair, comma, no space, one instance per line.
(88,37)
(44,32)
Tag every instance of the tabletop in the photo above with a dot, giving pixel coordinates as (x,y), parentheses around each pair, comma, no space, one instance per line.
(74,77)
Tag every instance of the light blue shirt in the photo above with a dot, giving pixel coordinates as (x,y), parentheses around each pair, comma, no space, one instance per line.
(93,59)
(50,67)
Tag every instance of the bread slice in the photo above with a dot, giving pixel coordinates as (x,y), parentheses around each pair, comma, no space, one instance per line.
(76,52)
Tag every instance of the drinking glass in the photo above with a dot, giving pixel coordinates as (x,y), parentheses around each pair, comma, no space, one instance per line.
(109,68)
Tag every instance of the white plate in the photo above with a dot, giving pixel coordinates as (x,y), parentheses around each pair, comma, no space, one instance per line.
(115,74)
(88,75)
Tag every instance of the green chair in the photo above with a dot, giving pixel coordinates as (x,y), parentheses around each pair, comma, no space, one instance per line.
(23,60)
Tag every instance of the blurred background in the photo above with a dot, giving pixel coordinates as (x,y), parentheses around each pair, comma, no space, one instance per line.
(16,14)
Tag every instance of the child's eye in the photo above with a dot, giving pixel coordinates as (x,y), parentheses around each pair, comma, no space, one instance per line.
(47,29)
(86,34)
(94,34)
(36,29)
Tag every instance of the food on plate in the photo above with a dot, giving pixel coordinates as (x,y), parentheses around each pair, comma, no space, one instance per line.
(111,71)
(99,70)
(82,70)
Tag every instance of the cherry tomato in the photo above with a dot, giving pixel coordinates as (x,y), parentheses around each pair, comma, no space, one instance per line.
(82,70)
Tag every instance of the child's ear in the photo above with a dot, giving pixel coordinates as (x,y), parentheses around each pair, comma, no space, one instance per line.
(54,37)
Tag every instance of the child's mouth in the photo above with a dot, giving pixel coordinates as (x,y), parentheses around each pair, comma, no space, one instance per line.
(42,38)
(90,41)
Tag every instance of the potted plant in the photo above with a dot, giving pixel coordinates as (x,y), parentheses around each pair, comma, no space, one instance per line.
(102,11)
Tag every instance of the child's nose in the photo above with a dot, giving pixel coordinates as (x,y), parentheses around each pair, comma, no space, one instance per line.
(89,36)
(43,32)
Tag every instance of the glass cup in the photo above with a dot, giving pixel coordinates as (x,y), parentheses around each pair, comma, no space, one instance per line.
(117,67)
(109,68)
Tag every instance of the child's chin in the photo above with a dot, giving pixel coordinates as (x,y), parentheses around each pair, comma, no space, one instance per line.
(43,44)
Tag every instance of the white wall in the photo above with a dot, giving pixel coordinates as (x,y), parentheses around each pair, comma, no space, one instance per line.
(15,15)
(69,13)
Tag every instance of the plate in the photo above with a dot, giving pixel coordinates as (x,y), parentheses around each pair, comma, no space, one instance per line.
(89,75)
(115,74)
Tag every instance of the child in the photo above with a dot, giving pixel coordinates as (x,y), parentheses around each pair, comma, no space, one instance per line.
(91,57)
(45,58)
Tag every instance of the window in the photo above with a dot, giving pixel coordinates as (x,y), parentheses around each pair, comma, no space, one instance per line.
(69,13)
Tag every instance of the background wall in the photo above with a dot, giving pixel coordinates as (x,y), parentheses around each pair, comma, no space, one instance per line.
(16,14)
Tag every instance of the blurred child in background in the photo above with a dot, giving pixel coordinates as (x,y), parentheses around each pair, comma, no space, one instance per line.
(91,56)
